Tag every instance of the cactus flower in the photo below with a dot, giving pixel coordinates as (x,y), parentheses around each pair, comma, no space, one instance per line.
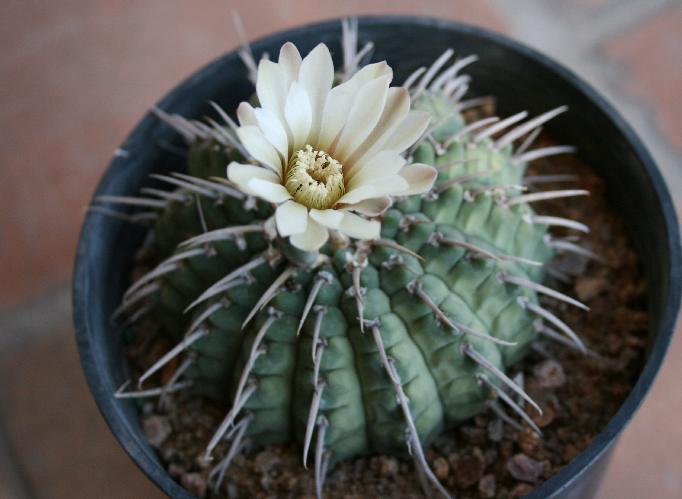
(330,157)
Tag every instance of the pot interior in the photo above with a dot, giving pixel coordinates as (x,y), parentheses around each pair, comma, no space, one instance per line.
(519,78)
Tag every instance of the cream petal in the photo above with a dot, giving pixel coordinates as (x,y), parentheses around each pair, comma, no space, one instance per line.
(255,143)
(316,76)
(272,86)
(312,239)
(372,71)
(419,177)
(394,185)
(341,98)
(363,117)
(338,100)
(298,115)
(371,207)
(360,228)
(273,131)
(409,131)
(291,218)
(270,191)
(290,60)
(383,164)
(240,174)
(329,218)
(359,194)
(246,114)
(396,108)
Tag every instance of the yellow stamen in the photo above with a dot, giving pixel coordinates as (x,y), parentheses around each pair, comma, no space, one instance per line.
(314,178)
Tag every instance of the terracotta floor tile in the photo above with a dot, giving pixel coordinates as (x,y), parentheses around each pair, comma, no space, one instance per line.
(63,446)
(651,54)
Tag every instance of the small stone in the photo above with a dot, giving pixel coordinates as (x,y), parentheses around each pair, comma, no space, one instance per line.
(522,489)
(487,485)
(474,435)
(529,441)
(441,468)
(587,288)
(232,491)
(495,430)
(524,468)
(195,484)
(156,430)
(549,374)
(175,470)
(388,466)
(289,482)
(545,419)
(468,469)
(264,461)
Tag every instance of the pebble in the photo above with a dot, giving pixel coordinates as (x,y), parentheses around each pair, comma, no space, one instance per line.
(388,466)
(441,468)
(545,419)
(524,468)
(487,485)
(468,469)
(587,287)
(195,483)
(522,489)
(156,430)
(495,430)
(549,374)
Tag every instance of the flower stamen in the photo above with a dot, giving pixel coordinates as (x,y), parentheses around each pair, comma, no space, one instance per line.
(314,178)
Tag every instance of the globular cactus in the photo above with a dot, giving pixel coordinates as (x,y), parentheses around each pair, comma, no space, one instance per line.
(369,345)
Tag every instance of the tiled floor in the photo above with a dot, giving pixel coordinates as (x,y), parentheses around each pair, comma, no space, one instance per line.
(77,74)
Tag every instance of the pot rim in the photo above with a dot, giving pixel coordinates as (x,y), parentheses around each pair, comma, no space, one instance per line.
(110,407)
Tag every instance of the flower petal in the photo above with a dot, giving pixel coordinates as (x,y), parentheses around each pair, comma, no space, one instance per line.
(272,86)
(409,131)
(372,71)
(420,178)
(395,185)
(384,164)
(273,131)
(240,174)
(298,115)
(254,142)
(316,76)
(360,228)
(291,218)
(329,218)
(246,114)
(312,239)
(290,60)
(270,191)
(359,194)
(363,117)
(371,207)
(396,108)
(341,98)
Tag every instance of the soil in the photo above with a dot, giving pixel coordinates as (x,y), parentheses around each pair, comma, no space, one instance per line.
(484,458)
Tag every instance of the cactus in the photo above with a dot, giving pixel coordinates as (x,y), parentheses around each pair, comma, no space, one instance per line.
(365,345)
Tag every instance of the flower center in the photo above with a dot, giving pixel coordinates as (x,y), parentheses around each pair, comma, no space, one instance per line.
(314,178)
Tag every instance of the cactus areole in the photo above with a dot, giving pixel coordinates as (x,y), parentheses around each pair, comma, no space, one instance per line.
(349,265)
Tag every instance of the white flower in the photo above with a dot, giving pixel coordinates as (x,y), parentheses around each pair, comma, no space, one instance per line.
(330,157)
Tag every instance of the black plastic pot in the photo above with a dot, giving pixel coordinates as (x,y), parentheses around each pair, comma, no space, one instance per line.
(519,77)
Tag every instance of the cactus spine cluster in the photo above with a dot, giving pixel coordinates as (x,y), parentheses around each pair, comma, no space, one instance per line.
(367,346)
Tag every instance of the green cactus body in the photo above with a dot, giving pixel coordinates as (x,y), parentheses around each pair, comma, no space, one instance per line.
(334,365)
(367,346)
